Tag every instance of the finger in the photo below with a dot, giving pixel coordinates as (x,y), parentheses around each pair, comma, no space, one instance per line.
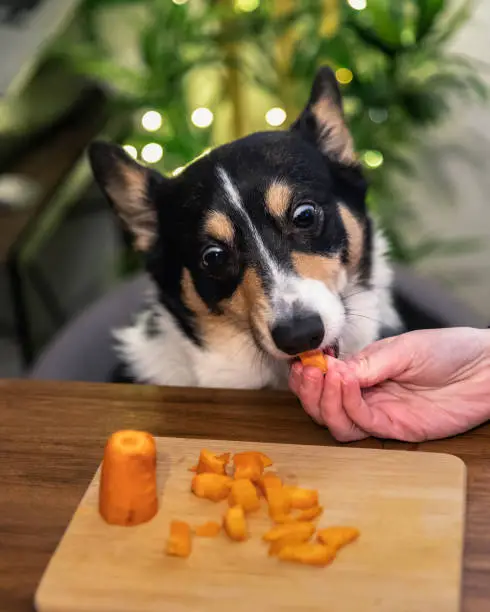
(380,361)
(310,392)
(355,406)
(331,407)
(295,376)
(361,408)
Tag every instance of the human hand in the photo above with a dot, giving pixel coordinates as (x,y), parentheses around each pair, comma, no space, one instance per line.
(418,386)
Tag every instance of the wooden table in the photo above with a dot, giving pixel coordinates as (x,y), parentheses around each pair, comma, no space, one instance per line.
(52,437)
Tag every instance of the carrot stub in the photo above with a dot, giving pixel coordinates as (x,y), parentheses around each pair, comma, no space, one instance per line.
(128,488)
(337,537)
(307,553)
(302,499)
(179,541)
(210,462)
(208,530)
(315,359)
(215,487)
(235,524)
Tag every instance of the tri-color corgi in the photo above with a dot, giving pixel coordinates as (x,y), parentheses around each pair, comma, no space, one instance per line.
(259,251)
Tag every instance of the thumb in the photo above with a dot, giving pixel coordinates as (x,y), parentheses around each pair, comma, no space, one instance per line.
(379,361)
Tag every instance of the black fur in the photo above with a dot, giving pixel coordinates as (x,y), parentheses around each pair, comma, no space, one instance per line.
(253,163)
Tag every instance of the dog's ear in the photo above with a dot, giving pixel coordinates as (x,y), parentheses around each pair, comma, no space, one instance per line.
(322,120)
(130,188)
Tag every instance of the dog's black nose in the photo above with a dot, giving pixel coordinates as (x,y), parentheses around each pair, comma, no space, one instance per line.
(298,334)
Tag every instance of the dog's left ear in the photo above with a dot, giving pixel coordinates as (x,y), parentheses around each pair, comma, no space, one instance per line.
(131,188)
(322,121)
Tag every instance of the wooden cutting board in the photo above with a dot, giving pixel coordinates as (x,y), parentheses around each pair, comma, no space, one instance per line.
(409,507)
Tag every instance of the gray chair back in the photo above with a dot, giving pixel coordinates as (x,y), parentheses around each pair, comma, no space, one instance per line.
(84,349)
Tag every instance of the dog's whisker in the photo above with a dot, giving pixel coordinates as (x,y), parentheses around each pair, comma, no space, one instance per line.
(350,313)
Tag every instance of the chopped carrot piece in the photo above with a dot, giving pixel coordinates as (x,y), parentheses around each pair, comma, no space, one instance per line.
(315,359)
(128,488)
(306,530)
(269,481)
(304,515)
(291,538)
(208,530)
(279,503)
(337,537)
(215,487)
(307,553)
(309,513)
(235,524)
(179,541)
(302,499)
(250,467)
(246,455)
(210,462)
(243,493)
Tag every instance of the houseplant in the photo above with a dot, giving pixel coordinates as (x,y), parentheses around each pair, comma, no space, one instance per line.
(241,58)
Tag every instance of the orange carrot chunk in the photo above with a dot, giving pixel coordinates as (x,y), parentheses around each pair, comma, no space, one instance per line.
(249,467)
(128,489)
(208,530)
(215,487)
(302,499)
(315,359)
(291,538)
(243,493)
(210,462)
(247,455)
(179,541)
(304,515)
(309,514)
(269,481)
(337,537)
(235,524)
(279,503)
(307,553)
(305,530)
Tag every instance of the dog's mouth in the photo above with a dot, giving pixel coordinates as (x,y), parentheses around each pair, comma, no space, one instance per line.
(333,350)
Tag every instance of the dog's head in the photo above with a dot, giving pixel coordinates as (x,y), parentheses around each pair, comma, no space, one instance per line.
(264,232)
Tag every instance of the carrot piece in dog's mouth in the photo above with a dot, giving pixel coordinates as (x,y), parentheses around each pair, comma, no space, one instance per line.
(315,359)
(319,358)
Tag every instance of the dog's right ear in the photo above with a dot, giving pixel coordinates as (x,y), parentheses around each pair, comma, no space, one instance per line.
(131,189)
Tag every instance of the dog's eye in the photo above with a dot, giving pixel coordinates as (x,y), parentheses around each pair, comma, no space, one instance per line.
(304,215)
(214,259)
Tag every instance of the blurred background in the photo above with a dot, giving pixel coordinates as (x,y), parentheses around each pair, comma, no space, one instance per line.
(170,79)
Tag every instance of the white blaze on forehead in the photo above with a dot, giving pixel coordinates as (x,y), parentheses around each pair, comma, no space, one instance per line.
(234,199)
(289,291)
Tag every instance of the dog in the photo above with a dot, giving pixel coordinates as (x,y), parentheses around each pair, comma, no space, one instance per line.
(259,251)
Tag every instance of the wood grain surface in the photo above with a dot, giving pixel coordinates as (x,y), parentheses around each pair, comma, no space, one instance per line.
(409,508)
(52,437)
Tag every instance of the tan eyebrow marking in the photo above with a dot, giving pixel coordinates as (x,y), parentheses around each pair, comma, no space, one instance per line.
(355,235)
(219,226)
(278,198)
(324,268)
